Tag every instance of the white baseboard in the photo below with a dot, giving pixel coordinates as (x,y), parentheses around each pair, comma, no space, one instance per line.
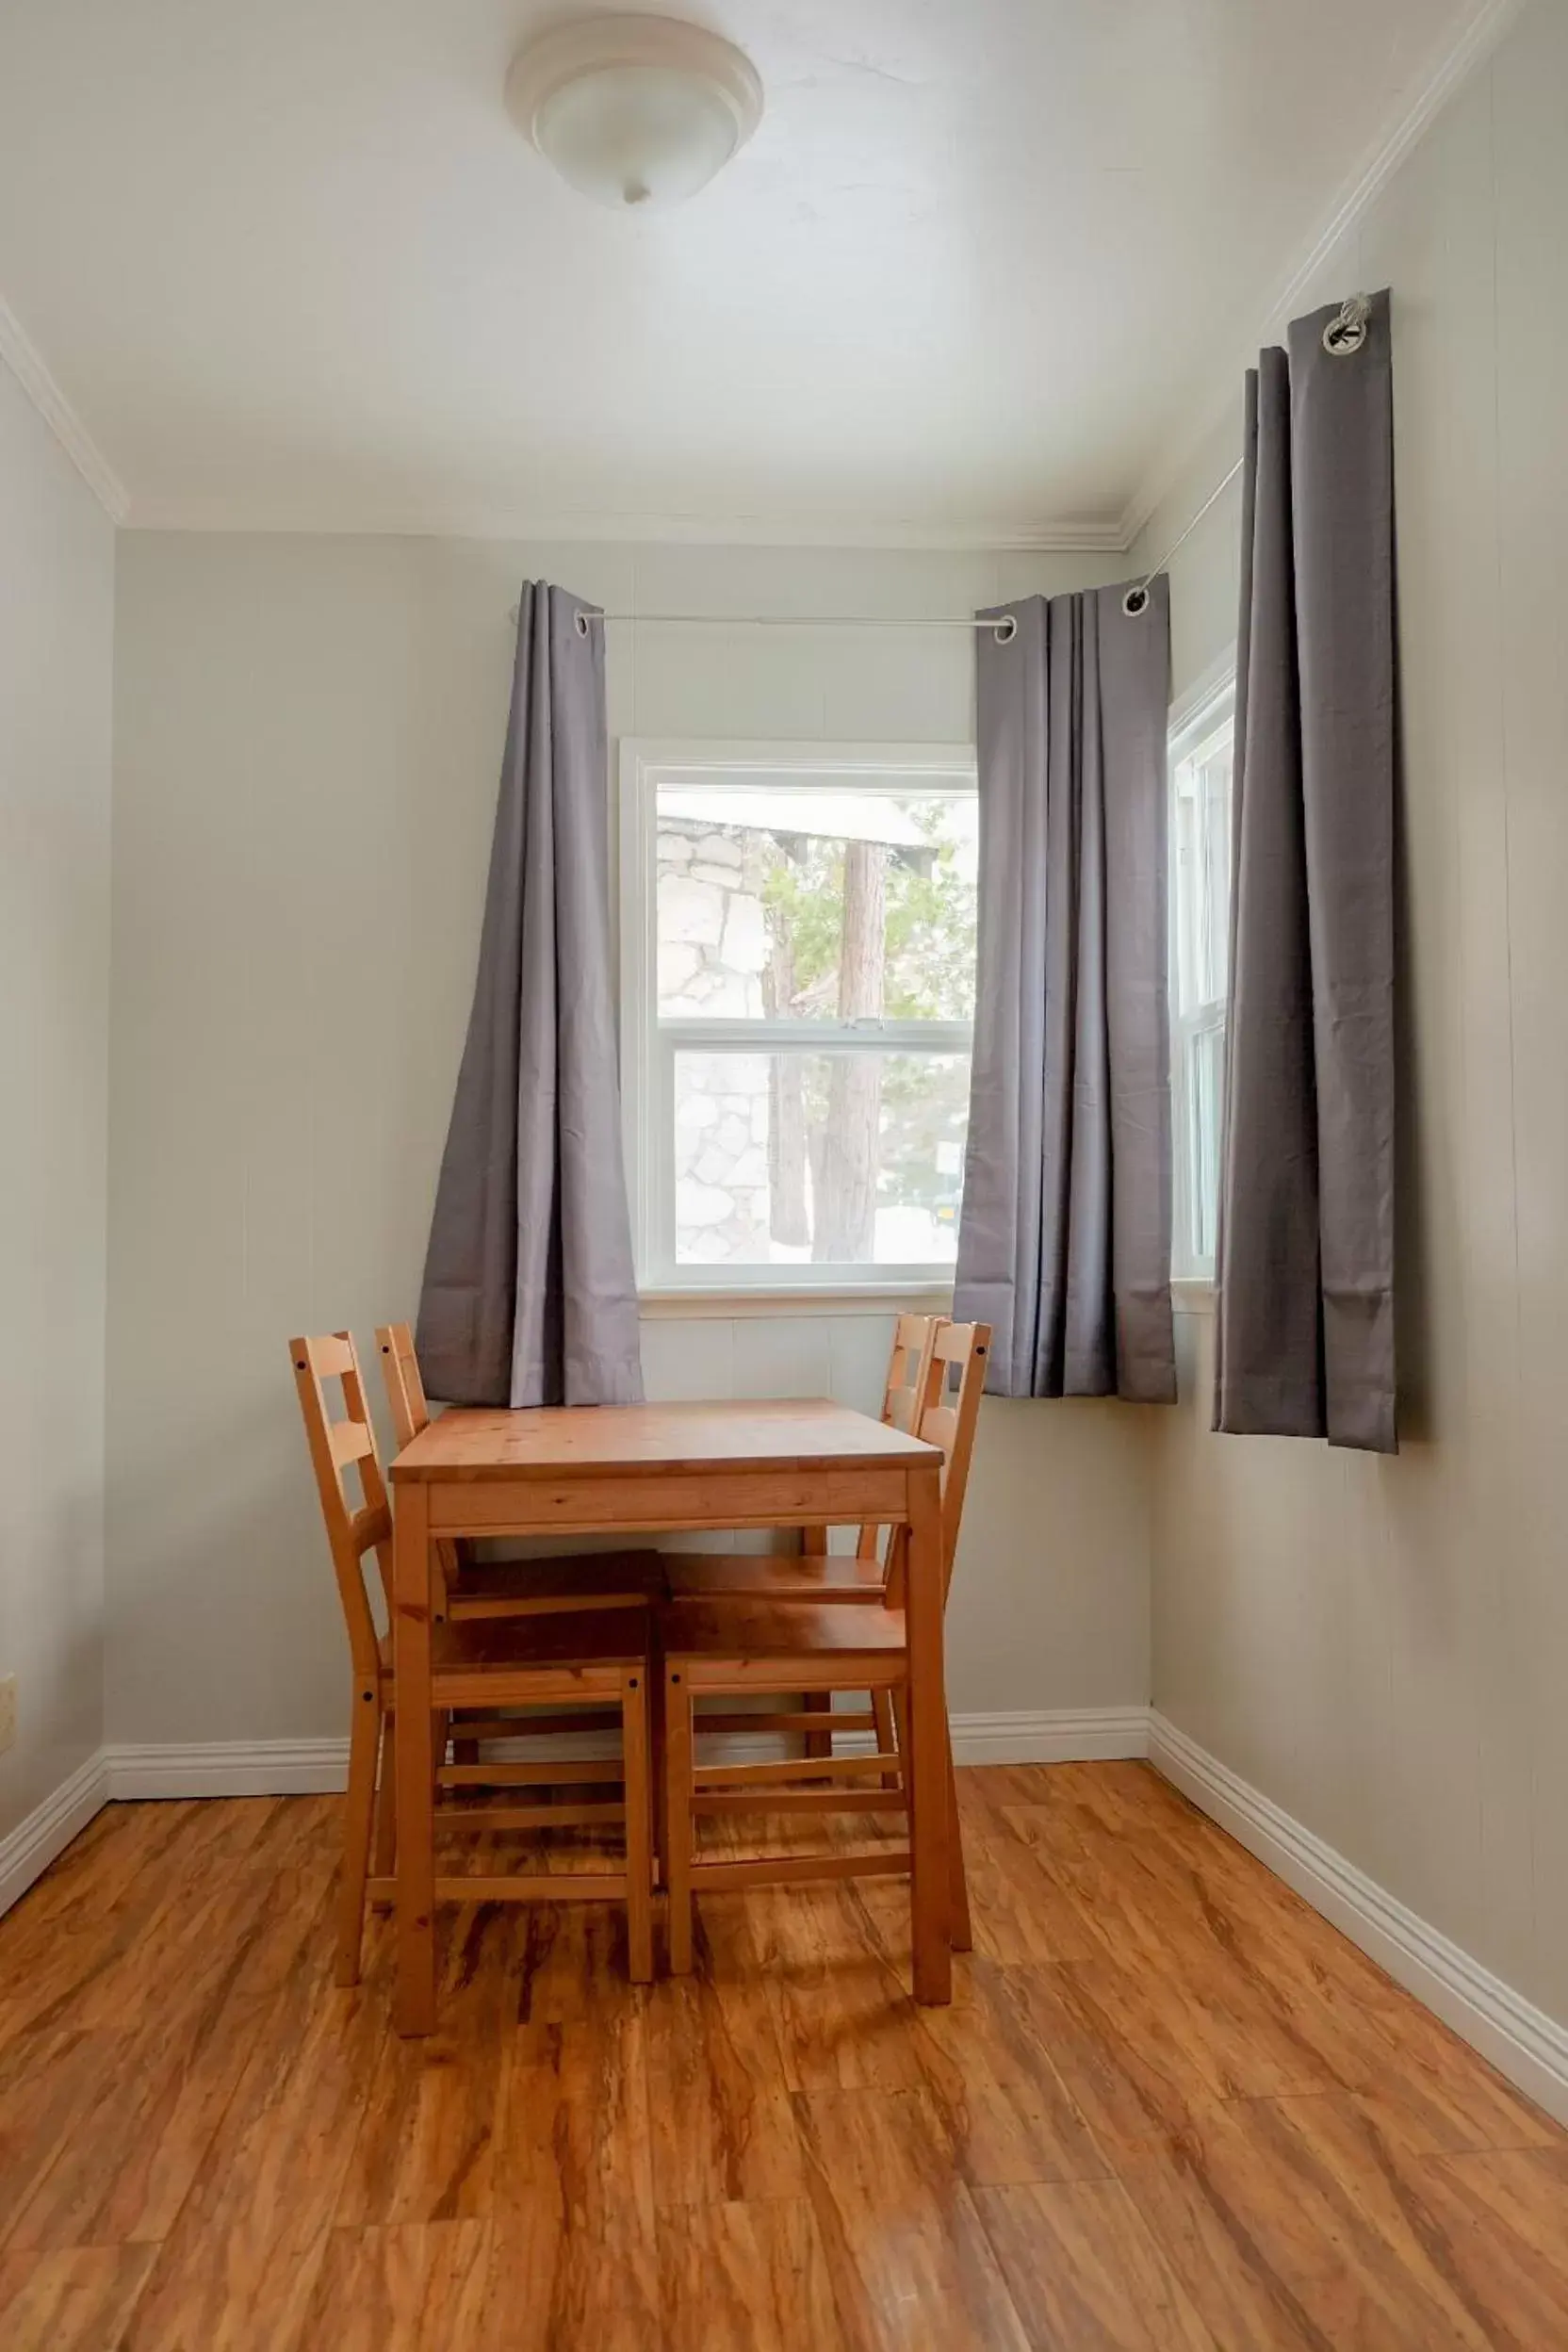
(1060,1735)
(1522,2042)
(33,1844)
(228,1768)
(297,1768)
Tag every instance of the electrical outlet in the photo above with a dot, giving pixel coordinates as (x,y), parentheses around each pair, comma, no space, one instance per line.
(7,1711)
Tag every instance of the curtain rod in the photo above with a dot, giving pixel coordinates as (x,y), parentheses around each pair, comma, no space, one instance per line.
(1137,597)
(1005,628)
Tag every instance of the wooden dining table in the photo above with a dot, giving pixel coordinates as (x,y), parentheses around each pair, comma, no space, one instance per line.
(646,1469)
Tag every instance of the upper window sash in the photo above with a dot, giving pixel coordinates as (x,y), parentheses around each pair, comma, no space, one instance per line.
(649,1039)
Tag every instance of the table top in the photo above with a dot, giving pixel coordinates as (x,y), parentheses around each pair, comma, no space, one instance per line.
(589,1441)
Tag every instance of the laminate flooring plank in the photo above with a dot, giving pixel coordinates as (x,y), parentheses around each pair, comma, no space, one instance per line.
(75,2300)
(150,2102)
(1083,2273)
(1504,2214)
(1267,2230)
(750,2277)
(236,2271)
(912,2265)
(723,2125)
(1007,2111)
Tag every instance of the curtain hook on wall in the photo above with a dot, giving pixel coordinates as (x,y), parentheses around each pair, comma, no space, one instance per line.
(1346,330)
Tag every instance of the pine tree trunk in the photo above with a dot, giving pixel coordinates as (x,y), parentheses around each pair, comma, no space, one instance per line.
(845,1161)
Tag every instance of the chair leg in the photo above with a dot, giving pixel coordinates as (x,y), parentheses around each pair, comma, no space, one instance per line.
(639,1827)
(385,1860)
(657,1748)
(465,1751)
(962,1933)
(887,1736)
(677,1818)
(358,1812)
(816,1745)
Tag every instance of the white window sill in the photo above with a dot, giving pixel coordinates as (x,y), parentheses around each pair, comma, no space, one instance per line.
(715,1305)
(1193,1294)
(1189,1295)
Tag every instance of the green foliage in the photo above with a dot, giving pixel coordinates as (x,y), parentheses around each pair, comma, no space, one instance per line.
(929,975)
(930,924)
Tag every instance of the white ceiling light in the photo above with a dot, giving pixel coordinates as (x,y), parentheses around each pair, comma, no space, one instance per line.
(635,110)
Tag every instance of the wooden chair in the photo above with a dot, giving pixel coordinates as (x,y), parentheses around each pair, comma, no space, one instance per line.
(726,1645)
(599,1659)
(472,1588)
(816,1573)
(819,1575)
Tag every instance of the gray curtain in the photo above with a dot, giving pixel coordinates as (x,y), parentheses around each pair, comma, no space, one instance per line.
(1304,1332)
(529,1294)
(1064,1245)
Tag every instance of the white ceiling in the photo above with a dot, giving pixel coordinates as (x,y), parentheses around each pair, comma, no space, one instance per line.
(289,263)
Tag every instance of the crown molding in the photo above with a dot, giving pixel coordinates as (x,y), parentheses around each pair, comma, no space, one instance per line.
(1423,102)
(25,362)
(1071,536)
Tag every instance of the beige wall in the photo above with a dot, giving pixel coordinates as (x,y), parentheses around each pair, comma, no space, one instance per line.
(1382,1646)
(307,739)
(56,619)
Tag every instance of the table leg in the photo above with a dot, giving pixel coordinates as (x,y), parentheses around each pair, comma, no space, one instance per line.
(926,1766)
(414,2006)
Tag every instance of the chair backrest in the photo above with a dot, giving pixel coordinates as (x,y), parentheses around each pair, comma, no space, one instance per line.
(949,1410)
(948,1415)
(351,1529)
(405,1394)
(405,1388)
(907,1366)
(908,1374)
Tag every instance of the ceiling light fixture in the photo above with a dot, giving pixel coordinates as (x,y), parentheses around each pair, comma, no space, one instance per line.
(635,110)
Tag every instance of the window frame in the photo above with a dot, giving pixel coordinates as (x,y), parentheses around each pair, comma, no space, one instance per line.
(1202,714)
(648,1046)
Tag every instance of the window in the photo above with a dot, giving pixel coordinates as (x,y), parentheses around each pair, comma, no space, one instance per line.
(797,992)
(1199,976)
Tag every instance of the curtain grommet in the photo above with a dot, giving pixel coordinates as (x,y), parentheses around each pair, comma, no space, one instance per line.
(1136,602)
(1006,628)
(580,622)
(1347,330)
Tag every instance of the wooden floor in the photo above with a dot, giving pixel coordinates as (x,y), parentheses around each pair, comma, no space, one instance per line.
(1168,2109)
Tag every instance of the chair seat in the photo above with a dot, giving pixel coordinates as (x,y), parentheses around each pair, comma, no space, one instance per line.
(605,1636)
(773,1576)
(515,1661)
(744,1625)
(526,1588)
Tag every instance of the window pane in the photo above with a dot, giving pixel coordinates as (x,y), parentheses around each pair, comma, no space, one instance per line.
(1203,853)
(1206,1094)
(814,903)
(1214,791)
(801,1158)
